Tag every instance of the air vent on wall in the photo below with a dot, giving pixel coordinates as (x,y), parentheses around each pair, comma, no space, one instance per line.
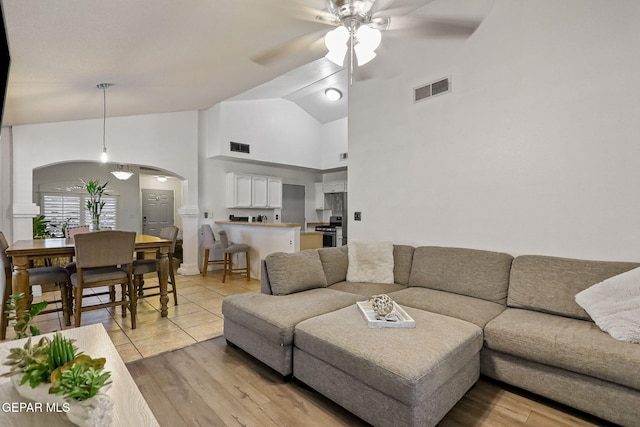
(239,148)
(432,89)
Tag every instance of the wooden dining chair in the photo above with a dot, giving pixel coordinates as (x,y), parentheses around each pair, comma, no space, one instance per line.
(104,258)
(210,246)
(144,266)
(50,279)
(70,233)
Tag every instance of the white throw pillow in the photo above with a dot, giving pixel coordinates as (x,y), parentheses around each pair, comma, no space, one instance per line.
(614,305)
(370,261)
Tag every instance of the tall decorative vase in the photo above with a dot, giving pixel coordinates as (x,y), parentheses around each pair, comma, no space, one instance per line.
(95,223)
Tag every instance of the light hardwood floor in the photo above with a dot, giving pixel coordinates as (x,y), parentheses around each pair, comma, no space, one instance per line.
(211,384)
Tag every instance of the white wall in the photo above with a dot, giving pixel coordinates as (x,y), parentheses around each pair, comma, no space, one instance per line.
(167,142)
(535,151)
(333,142)
(6,171)
(128,192)
(278,131)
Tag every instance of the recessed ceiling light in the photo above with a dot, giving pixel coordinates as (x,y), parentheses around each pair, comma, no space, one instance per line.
(333,94)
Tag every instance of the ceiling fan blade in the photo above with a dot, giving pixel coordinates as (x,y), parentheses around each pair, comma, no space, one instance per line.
(300,10)
(417,26)
(307,42)
(384,8)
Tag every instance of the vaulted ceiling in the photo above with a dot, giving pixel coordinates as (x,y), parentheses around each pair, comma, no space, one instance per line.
(168,55)
(161,55)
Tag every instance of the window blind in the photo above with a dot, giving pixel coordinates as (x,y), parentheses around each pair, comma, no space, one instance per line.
(72,209)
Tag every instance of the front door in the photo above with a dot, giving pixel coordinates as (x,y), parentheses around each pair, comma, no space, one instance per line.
(157,210)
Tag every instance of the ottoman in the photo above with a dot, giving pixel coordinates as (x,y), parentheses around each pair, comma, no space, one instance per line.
(389,376)
(262,325)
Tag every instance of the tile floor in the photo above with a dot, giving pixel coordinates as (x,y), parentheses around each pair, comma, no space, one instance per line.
(197,317)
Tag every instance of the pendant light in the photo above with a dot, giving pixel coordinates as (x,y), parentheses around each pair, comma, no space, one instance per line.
(122,172)
(104,157)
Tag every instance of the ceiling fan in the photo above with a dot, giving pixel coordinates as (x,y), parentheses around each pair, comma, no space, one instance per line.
(359,26)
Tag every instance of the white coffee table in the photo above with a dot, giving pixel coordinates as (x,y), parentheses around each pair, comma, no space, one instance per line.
(130,408)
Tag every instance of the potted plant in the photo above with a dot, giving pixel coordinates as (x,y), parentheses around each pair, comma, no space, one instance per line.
(52,371)
(40,227)
(95,203)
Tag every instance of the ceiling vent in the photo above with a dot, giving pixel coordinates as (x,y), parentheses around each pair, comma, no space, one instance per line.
(432,89)
(237,147)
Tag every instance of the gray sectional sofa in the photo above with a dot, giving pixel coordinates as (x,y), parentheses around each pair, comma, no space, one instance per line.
(476,312)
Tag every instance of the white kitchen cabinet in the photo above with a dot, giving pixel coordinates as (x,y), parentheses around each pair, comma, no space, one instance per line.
(335,187)
(253,191)
(239,190)
(260,192)
(319,199)
(274,187)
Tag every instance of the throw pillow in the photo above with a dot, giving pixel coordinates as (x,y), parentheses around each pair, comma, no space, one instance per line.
(289,273)
(614,305)
(370,261)
(334,263)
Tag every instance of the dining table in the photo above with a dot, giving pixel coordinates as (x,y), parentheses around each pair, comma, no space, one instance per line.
(24,252)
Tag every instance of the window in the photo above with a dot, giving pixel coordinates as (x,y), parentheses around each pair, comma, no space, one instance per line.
(72,209)
(108,215)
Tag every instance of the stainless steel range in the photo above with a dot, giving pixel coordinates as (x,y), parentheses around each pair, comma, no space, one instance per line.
(329,237)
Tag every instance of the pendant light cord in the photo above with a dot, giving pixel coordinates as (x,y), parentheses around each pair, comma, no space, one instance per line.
(104,87)
(104,116)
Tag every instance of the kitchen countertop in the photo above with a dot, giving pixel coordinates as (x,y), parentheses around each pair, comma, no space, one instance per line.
(258,224)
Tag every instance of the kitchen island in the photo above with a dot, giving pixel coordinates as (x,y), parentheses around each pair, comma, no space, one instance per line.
(264,238)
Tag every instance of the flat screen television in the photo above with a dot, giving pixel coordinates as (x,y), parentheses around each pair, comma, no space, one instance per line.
(4,66)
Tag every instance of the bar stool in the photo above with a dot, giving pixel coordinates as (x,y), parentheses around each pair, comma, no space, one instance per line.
(210,245)
(229,250)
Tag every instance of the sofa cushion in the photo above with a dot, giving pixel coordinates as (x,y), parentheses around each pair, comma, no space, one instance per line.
(614,305)
(273,317)
(334,262)
(366,290)
(550,284)
(571,344)
(408,364)
(300,271)
(474,310)
(472,272)
(402,260)
(370,261)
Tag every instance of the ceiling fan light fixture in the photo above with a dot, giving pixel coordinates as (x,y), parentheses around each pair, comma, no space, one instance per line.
(337,55)
(333,94)
(363,54)
(336,42)
(369,37)
(337,38)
